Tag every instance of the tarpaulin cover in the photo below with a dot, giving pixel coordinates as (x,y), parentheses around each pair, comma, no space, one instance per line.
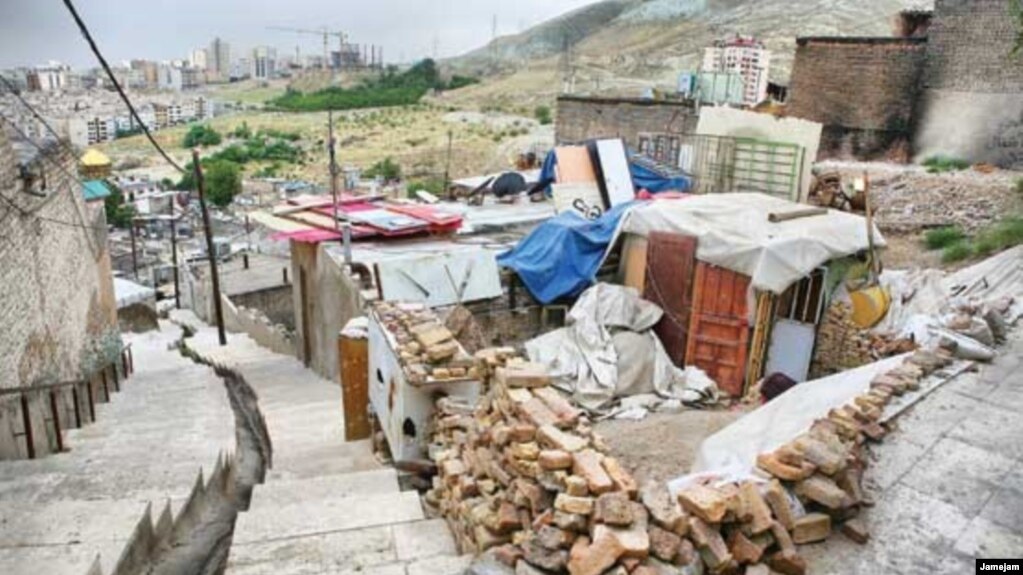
(561,256)
(609,351)
(733,232)
(772,425)
(646,179)
(643,178)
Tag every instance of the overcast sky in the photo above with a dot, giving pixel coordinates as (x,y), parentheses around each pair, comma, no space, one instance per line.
(35,31)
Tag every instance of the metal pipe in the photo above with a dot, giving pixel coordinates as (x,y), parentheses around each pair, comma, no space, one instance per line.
(56,420)
(27,419)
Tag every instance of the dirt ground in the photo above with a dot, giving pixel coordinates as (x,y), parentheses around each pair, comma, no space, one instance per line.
(663,446)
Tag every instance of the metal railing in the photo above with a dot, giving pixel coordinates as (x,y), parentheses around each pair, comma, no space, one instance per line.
(83,394)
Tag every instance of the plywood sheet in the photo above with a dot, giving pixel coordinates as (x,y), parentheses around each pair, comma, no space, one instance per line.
(574,165)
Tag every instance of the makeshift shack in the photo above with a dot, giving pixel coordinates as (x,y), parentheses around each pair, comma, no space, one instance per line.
(743,279)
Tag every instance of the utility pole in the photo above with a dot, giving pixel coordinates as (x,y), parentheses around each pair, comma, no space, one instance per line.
(134,257)
(346,229)
(447,166)
(174,253)
(214,274)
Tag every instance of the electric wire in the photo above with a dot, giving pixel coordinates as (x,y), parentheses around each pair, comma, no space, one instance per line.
(117,86)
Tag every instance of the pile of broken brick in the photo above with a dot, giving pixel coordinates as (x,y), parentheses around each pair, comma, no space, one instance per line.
(427,350)
(525,482)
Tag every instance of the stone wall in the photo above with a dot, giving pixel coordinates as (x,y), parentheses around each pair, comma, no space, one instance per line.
(276,303)
(973,103)
(56,305)
(864,91)
(583,118)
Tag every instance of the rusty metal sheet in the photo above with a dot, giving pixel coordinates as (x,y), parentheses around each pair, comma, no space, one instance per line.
(670,266)
(719,331)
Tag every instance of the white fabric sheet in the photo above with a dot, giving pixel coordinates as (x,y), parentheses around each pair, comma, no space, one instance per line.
(772,425)
(734,233)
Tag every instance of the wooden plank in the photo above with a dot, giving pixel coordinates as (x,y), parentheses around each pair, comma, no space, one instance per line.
(354,356)
(671,262)
(574,165)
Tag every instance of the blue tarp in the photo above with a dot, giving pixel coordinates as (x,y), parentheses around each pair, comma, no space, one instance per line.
(642,177)
(561,256)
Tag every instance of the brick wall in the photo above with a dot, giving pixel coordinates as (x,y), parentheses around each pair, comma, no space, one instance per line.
(864,91)
(969,47)
(57,309)
(973,102)
(582,118)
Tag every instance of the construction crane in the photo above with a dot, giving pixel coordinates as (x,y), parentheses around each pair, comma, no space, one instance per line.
(326,34)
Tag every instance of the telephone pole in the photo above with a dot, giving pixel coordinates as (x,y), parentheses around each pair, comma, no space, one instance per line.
(218,308)
(134,256)
(174,253)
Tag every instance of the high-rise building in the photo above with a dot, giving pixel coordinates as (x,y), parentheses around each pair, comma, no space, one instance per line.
(264,63)
(745,56)
(218,61)
(197,58)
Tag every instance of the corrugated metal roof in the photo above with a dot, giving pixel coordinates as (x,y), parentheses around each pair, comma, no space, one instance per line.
(95,190)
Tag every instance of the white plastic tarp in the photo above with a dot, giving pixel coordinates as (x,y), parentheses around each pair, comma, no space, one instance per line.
(609,351)
(736,447)
(733,232)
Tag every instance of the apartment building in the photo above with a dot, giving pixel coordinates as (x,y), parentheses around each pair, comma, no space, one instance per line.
(745,56)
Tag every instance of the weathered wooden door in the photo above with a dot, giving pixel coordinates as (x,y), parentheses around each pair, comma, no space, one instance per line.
(718,339)
(671,260)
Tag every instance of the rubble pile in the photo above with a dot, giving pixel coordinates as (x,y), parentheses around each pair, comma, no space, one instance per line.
(522,474)
(428,351)
(525,481)
(913,201)
(841,344)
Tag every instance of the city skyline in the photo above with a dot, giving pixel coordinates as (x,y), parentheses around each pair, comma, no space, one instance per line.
(36,33)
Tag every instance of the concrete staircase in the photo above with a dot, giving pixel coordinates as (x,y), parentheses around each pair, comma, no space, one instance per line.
(327,506)
(97,506)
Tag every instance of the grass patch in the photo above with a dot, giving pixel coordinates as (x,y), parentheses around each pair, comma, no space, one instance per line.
(1019,186)
(956,252)
(1000,236)
(941,238)
(940,164)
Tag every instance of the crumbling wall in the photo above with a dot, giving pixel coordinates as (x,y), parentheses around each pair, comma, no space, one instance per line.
(55,306)
(973,102)
(276,303)
(864,91)
(583,118)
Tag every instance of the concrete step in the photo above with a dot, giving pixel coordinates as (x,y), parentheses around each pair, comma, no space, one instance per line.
(422,547)
(268,522)
(289,491)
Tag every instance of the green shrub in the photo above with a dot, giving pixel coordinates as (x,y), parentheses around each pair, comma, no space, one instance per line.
(433,185)
(956,252)
(1002,235)
(1019,186)
(940,238)
(200,135)
(543,115)
(387,169)
(940,164)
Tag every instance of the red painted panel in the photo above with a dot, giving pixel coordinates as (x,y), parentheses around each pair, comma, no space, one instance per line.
(719,331)
(671,263)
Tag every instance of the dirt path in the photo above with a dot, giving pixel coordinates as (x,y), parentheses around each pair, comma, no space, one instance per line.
(662,446)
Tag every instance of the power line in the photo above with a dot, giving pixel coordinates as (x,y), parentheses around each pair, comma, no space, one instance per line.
(110,74)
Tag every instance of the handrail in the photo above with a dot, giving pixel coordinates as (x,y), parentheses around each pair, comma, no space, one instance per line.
(127,361)
(62,384)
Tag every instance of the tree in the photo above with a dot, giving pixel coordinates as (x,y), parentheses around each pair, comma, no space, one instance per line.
(201,135)
(223,182)
(119,214)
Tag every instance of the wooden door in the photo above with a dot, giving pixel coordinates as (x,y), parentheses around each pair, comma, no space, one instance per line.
(670,265)
(718,339)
